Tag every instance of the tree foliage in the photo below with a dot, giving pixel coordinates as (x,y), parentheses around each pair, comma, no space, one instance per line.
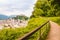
(46,8)
(21,17)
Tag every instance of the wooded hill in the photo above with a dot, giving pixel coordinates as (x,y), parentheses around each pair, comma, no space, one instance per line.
(21,17)
(46,8)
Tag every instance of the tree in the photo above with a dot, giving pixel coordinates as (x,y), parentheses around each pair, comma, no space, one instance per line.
(21,17)
(46,8)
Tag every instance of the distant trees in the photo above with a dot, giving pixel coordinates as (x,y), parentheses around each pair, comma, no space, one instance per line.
(46,8)
(21,17)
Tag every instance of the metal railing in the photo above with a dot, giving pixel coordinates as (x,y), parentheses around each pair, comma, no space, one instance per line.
(25,37)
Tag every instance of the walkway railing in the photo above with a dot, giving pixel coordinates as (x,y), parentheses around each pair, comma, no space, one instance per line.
(42,32)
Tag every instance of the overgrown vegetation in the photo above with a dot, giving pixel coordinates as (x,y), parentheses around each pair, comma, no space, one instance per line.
(14,34)
(54,19)
(46,8)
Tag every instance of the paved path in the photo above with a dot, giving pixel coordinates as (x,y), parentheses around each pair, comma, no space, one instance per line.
(54,33)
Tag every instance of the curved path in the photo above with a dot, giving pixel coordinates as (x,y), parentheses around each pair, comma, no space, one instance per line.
(54,33)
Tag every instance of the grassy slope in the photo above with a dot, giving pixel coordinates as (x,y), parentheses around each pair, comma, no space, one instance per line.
(54,19)
(12,34)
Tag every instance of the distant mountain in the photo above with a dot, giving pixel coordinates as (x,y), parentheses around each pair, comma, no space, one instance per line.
(2,17)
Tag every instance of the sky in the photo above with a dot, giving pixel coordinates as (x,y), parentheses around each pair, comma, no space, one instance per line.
(17,7)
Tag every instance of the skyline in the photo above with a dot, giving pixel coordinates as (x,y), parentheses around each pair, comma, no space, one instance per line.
(16,7)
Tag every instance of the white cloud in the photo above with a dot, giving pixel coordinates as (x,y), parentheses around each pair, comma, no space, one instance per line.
(16,12)
(16,7)
(4,1)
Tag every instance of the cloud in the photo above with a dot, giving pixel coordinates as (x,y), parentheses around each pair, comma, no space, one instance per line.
(16,12)
(3,1)
(16,7)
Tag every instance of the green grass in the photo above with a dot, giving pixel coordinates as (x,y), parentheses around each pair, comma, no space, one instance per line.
(34,23)
(14,34)
(54,19)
